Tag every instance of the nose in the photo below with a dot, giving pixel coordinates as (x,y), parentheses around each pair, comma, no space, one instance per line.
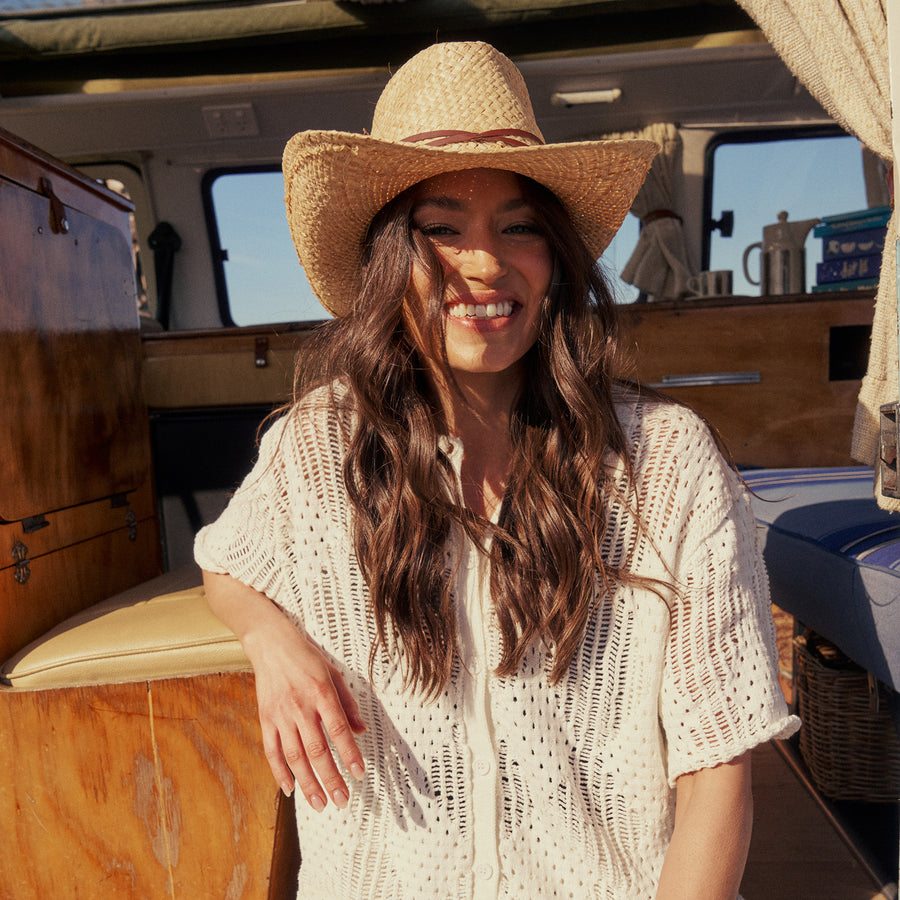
(482,259)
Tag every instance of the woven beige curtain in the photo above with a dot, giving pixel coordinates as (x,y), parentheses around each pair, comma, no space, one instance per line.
(839,50)
(659,265)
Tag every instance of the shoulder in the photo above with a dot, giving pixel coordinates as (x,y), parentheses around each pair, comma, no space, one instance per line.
(659,426)
(316,414)
(315,426)
(679,472)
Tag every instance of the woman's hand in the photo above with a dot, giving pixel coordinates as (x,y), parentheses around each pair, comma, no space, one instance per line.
(302,697)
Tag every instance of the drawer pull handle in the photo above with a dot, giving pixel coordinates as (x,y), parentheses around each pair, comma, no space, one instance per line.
(707,378)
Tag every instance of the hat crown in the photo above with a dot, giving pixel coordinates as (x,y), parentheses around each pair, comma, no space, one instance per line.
(466,87)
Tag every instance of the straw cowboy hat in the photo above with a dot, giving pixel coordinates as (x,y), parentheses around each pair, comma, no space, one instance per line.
(453,106)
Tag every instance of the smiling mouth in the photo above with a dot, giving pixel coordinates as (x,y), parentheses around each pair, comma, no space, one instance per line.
(499,310)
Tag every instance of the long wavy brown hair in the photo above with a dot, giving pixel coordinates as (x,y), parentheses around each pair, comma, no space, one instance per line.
(546,549)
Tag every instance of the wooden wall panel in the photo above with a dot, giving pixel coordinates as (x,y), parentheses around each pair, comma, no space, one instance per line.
(149,790)
(795,415)
(74,425)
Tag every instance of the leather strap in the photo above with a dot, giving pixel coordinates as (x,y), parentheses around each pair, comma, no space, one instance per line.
(509,136)
(660,214)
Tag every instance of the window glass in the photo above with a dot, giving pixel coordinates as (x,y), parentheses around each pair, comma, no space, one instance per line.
(617,255)
(263,281)
(808,177)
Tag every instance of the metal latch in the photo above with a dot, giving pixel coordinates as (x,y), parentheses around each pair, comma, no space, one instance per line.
(890,439)
(59,222)
(120,501)
(261,352)
(21,572)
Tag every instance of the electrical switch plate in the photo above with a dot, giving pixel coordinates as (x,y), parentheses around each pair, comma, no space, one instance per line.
(234,120)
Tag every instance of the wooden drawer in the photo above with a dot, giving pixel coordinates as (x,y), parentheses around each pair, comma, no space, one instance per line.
(81,556)
(786,407)
(228,367)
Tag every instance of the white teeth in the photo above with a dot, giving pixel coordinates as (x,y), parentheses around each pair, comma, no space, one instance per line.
(481,310)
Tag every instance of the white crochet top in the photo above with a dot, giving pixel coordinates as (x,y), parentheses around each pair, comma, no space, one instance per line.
(510,787)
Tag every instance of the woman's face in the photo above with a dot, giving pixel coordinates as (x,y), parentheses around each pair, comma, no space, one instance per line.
(497,268)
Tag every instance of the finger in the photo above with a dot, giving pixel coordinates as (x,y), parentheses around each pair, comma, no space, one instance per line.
(340,730)
(281,772)
(292,752)
(318,755)
(307,783)
(348,702)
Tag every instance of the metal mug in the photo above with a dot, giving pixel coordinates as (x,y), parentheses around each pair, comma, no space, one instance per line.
(714,283)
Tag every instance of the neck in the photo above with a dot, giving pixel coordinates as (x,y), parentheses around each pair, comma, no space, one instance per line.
(478,414)
(478,402)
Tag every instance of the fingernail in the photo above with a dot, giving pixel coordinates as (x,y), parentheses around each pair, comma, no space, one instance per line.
(287,788)
(357,771)
(317,803)
(340,799)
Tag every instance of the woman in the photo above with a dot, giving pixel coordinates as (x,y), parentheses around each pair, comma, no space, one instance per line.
(521,600)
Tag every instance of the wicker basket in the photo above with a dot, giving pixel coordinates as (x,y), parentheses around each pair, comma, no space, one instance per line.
(848,739)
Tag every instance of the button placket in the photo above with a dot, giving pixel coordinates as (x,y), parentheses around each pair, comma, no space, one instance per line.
(473,597)
(481,743)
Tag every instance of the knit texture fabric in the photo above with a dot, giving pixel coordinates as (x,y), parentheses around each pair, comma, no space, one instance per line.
(512,787)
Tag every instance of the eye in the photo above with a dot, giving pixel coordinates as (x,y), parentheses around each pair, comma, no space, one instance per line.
(526,228)
(435,229)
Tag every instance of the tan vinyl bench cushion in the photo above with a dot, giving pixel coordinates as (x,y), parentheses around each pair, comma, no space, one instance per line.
(152,631)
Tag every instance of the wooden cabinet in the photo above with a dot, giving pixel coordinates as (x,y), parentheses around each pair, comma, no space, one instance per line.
(141,791)
(77,517)
(778,377)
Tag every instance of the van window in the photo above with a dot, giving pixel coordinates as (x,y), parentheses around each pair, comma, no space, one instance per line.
(756,176)
(617,255)
(259,280)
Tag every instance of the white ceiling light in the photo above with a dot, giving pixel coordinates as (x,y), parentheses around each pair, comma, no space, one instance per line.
(579,98)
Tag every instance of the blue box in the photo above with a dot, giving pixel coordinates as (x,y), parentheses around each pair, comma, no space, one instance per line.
(862,220)
(861,284)
(854,243)
(848,269)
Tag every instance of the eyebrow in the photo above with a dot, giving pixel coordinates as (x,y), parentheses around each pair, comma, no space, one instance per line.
(440,201)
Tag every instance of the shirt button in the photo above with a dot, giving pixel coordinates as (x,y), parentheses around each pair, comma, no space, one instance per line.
(484,871)
(482,766)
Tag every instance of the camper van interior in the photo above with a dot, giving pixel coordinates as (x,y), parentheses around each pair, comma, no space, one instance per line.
(152,310)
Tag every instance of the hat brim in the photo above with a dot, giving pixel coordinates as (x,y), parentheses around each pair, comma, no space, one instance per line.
(335,183)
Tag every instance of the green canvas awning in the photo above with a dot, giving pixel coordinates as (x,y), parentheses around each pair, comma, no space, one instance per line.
(165,39)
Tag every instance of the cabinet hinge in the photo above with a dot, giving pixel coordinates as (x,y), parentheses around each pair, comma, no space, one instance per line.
(22,571)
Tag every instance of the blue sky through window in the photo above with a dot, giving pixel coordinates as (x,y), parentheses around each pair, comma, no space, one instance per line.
(809,178)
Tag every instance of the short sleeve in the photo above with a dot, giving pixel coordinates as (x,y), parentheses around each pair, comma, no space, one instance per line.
(720,694)
(251,541)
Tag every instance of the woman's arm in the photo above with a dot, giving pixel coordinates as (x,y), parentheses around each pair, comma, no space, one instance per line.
(713,821)
(301,696)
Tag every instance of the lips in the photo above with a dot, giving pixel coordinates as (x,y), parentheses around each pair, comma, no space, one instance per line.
(495,307)
(503,309)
